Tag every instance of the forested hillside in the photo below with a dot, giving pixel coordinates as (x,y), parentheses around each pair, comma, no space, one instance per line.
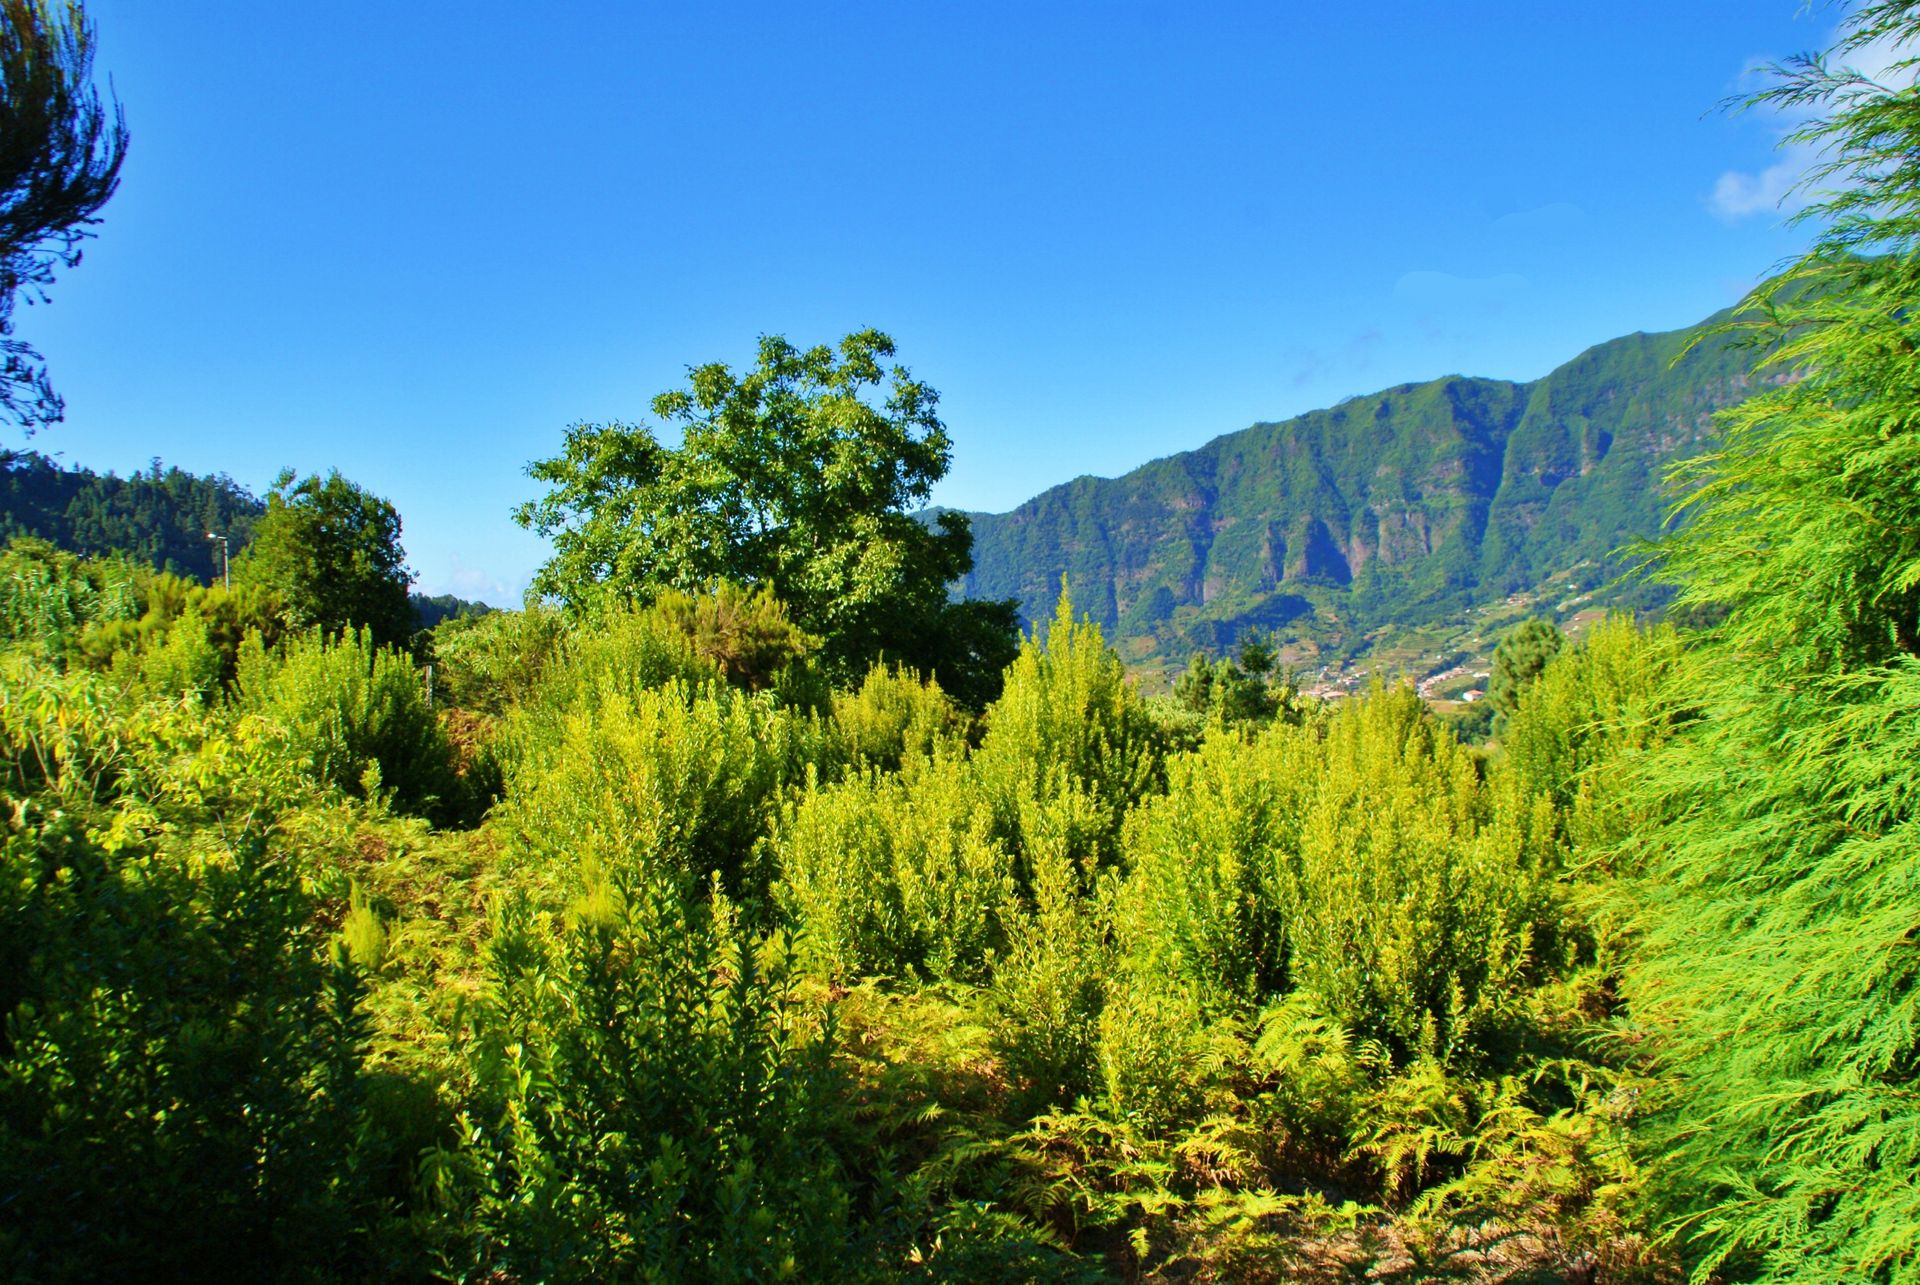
(1390,509)
(161,516)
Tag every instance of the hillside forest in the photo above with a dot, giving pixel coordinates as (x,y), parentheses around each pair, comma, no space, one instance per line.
(749,907)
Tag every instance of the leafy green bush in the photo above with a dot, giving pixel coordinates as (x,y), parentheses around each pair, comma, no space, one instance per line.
(745,633)
(1523,651)
(676,779)
(1777,985)
(1581,722)
(180,1084)
(183,661)
(618,654)
(654,1101)
(1363,862)
(355,716)
(48,598)
(894,716)
(1778,981)
(492,662)
(896,876)
(1048,992)
(162,601)
(1068,725)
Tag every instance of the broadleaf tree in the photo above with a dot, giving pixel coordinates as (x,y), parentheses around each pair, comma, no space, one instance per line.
(60,154)
(329,550)
(801,475)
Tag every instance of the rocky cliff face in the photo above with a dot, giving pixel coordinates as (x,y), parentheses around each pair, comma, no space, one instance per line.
(1387,508)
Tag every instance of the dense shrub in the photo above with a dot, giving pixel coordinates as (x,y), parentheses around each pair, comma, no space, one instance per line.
(673,779)
(896,876)
(492,662)
(894,716)
(355,715)
(1068,725)
(1778,980)
(617,655)
(1362,862)
(180,1085)
(181,661)
(163,601)
(1580,724)
(49,598)
(1048,991)
(653,1101)
(745,634)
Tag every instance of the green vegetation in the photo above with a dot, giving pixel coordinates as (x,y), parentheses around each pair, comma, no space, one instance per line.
(1522,654)
(60,155)
(1776,980)
(329,553)
(786,479)
(697,967)
(1351,530)
(161,517)
(656,941)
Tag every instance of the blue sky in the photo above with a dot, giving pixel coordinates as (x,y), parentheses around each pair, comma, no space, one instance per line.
(414,242)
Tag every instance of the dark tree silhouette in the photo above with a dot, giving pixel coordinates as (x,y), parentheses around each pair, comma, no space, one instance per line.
(60,152)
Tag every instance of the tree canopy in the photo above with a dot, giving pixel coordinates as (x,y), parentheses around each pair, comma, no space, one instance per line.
(1518,659)
(330,551)
(797,476)
(60,154)
(1776,979)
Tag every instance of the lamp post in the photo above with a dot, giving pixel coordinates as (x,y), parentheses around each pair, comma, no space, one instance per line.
(226,563)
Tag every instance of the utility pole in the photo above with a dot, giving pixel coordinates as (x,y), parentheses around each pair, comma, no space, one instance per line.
(226,563)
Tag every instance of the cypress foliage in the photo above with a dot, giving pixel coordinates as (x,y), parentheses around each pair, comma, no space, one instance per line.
(1777,976)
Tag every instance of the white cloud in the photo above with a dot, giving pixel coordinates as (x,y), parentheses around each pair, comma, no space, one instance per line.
(473,584)
(1739,194)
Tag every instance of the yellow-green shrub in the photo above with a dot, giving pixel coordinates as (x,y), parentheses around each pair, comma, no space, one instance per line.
(168,1006)
(896,875)
(653,1101)
(1363,861)
(163,601)
(894,716)
(676,778)
(1048,991)
(1590,712)
(1068,724)
(49,598)
(493,662)
(354,715)
(180,661)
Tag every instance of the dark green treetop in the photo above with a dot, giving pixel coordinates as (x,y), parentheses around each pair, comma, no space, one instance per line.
(331,553)
(793,477)
(60,154)
(1518,659)
(160,516)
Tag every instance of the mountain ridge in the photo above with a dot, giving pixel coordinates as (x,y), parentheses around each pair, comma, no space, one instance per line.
(1397,507)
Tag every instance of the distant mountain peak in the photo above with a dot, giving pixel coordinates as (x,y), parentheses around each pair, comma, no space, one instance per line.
(1394,508)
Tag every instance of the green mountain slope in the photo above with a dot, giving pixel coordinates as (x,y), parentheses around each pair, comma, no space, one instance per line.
(1402,508)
